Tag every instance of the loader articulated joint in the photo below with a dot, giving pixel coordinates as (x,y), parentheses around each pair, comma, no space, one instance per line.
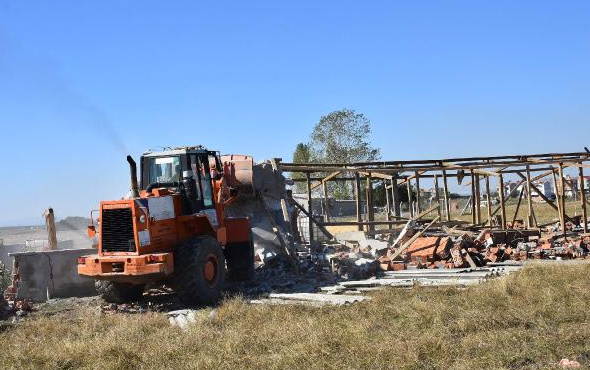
(133,173)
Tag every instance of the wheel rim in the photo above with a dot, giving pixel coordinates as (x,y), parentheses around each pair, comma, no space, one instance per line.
(211,269)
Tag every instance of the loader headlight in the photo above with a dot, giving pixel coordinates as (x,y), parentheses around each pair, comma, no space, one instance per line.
(142,219)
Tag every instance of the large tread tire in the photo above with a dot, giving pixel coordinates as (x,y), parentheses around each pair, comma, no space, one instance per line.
(194,281)
(114,292)
(240,266)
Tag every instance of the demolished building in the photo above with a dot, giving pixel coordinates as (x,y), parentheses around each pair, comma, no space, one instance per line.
(400,243)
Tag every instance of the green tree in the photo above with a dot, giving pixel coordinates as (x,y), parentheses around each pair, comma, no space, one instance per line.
(301,155)
(342,137)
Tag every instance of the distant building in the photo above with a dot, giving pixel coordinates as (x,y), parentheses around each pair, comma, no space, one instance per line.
(510,188)
(571,191)
(545,186)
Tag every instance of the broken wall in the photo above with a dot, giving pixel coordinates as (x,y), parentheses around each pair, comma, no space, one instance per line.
(52,274)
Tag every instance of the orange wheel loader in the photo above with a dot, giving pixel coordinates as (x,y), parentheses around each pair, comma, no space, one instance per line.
(173,228)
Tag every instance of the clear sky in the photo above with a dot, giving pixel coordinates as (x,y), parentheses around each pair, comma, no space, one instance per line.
(83,83)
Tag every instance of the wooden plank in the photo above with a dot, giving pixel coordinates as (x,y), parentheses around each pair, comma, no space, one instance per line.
(387,202)
(436,195)
(407,179)
(569,183)
(405,246)
(377,175)
(583,197)
(287,249)
(326,205)
(357,184)
(486,173)
(377,166)
(410,208)
(488,201)
(562,195)
(477,198)
(547,200)
(486,160)
(318,180)
(446,195)
(469,259)
(529,197)
(309,207)
(467,205)
(517,207)
(557,197)
(418,195)
(395,197)
(502,200)
(427,211)
(361,223)
(370,209)
(327,178)
(473,199)
(319,225)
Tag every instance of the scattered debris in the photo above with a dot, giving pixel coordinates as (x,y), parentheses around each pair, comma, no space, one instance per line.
(313,299)
(569,364)
(419,245)
(181,318)
(422,277)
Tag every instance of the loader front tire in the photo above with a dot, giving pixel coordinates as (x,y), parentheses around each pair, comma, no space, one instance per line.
(114,292)
(199,270)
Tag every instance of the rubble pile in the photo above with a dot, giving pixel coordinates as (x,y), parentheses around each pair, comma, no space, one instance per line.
(354,255)
(14,308)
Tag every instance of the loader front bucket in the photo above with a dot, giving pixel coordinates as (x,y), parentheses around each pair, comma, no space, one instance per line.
(240,172)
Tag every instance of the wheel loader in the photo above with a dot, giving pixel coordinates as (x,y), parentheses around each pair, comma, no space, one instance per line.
(172,228)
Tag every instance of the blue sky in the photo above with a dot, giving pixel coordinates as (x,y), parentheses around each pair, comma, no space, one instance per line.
(83,83)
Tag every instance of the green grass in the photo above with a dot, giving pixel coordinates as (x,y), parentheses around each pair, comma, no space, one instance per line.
(531,319)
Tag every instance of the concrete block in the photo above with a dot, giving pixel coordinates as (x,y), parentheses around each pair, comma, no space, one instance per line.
(376,247)
(350,236)
(52,274)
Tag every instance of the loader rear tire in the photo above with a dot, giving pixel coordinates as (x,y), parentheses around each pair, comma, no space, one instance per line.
(114,292)
(199,270)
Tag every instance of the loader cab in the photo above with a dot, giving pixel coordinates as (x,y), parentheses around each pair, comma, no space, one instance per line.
(168,166)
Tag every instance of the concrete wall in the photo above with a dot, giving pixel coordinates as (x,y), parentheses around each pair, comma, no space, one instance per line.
(52,274)
(7,249)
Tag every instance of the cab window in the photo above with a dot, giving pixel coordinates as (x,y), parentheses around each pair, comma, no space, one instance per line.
(200,168)
(164,169)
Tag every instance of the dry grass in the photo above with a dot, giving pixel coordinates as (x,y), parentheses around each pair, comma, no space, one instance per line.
(528,320)
(543,211)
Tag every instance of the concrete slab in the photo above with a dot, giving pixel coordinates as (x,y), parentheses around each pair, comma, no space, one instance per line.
(52,274)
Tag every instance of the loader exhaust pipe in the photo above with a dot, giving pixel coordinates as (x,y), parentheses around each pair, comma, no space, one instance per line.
(134,193)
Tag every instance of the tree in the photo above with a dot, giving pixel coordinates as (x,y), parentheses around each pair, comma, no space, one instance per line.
(342,137)
(301,155)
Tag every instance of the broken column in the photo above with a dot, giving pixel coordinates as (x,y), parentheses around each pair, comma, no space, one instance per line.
(50,225)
